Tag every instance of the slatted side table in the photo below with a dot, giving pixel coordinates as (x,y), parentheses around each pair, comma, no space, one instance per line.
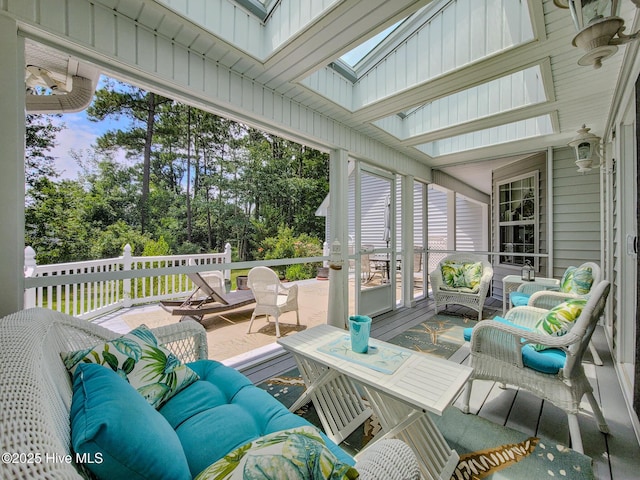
(401,399)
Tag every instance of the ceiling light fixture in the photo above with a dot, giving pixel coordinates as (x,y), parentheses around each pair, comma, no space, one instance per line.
(600,30)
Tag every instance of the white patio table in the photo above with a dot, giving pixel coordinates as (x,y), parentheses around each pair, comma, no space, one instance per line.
(400,386)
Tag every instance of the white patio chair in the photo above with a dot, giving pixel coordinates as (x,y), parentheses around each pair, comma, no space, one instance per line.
(444,294)
(501,352)
(272,297)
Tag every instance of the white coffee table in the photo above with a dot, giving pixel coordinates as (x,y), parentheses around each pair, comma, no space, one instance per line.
(401,400)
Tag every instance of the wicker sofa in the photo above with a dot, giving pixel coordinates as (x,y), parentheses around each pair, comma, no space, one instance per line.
(36,399)
(444,294)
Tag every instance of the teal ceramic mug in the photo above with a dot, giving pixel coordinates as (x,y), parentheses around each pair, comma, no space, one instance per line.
(359,330)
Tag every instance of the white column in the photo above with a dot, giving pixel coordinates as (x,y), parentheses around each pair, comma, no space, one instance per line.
(12,137)
(338,308)
(406,209)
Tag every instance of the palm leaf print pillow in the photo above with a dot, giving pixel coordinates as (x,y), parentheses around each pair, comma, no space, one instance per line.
(295,454)
(155,372)
(559,320)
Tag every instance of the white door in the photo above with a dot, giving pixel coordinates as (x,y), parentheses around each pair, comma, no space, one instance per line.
(375,234)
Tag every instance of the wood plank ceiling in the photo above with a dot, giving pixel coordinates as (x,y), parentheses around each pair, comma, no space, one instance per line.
(291,49)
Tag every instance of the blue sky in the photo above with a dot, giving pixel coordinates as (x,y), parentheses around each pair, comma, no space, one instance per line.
(79,135)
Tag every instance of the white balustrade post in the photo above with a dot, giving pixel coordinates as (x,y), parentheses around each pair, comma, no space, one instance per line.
(126,283)
(227,259)
(30,269)
(325,253)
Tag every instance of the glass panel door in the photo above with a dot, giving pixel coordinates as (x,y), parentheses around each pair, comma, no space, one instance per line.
(375,224)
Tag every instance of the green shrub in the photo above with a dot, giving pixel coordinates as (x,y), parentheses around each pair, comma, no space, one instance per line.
(285,245)
(299,271)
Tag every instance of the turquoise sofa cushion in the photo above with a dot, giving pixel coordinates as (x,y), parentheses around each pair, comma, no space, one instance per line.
(223,411)
(519,299)
(550,360)
(117,433)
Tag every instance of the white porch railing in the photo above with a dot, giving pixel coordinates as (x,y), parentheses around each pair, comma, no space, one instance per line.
(87,299)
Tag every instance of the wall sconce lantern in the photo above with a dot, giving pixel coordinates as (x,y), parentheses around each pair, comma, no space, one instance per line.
(597,24)
(586,146)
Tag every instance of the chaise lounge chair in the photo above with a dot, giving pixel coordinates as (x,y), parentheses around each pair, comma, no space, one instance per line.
(207,299)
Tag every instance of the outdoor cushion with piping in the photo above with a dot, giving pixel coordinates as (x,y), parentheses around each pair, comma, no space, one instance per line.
(550,360)
(118,432)
(223,411)
(519,299)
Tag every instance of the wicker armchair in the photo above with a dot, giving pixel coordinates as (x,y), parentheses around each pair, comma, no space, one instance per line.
(272,297)
(36,394)
(547,299)
(444,295)
(545,294)
(499,352)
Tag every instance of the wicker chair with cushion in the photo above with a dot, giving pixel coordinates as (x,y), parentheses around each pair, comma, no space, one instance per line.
(462,279)
(98,422)
(575,282)
(541,351)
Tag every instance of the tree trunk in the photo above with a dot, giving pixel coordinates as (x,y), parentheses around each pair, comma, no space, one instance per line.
(146,168)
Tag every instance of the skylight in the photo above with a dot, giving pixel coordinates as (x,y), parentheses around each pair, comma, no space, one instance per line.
(352,57)
(510,132)
(516,90)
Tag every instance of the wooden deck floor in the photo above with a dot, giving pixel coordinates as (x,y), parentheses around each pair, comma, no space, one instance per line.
(615,456)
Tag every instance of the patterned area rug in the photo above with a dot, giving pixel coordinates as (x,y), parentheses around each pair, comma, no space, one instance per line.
(486,450)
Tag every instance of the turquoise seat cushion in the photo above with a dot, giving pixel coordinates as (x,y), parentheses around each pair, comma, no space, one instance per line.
(117,433)
(550,360)
(222,411)
(519,299)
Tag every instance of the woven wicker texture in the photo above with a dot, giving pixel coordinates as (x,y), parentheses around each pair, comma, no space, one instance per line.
(390,459)
(474,301)
(35,395)
(496,355)
(35,388)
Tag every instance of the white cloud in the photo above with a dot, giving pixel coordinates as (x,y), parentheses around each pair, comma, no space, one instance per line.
(78,135)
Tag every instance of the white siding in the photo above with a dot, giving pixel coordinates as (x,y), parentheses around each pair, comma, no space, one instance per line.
(471,231)
(438,224)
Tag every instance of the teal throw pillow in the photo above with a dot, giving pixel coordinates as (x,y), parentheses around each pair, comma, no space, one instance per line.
(115,433)
(559,320)
(295,454)
(155,372)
